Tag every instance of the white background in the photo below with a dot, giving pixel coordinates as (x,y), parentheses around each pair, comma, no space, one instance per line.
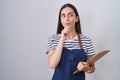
(25,26)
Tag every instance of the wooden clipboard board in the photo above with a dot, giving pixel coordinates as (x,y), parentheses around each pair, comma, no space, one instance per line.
(93,59)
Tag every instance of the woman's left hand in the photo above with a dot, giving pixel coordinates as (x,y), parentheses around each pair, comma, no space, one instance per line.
(83,66)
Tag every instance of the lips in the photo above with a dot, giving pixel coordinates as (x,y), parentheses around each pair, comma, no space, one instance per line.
(67,23)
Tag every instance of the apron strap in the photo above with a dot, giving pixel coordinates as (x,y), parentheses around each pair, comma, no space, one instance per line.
(80,42)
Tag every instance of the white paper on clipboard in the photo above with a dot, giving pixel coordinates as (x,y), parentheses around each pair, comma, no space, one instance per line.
(95,58)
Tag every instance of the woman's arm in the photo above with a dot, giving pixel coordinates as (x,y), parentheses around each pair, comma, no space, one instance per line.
(54,56)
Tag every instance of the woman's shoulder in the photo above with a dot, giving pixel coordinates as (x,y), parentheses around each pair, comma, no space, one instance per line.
(55,36)
(84,37)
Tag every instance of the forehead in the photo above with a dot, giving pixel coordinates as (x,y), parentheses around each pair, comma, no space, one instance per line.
(67,10)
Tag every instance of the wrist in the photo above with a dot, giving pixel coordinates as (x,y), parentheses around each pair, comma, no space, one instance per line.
(63,37)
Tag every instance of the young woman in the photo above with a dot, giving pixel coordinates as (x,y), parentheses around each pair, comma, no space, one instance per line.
(69,49)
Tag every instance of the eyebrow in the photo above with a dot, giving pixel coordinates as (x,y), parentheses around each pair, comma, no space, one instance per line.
(68,13)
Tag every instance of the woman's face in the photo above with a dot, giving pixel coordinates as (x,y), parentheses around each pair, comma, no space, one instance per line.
(68,18)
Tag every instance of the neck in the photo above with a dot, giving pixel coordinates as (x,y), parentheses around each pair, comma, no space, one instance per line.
(72,34)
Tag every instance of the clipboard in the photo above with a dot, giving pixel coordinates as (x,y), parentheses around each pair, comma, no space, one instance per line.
(95,58)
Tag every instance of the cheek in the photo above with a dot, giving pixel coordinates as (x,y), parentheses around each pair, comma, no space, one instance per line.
(73,22)
(62,22)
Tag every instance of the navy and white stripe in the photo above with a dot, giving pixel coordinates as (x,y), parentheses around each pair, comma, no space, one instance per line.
(72,44)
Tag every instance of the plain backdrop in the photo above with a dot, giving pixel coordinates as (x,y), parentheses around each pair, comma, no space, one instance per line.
(25,26)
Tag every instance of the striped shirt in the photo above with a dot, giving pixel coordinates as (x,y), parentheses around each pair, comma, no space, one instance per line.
(72,44)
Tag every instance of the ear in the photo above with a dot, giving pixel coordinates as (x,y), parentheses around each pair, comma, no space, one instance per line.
(77,18)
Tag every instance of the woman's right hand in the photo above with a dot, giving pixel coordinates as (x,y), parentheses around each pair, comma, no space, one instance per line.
(65,32)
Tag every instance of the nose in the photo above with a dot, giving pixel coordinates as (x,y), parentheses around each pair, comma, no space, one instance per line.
(67,18)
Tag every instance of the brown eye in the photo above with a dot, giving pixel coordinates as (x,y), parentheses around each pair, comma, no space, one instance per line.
(71,15)
(62,15)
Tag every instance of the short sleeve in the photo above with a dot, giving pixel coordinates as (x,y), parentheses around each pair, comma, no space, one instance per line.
(89,49)
(50,44)
(88,46)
